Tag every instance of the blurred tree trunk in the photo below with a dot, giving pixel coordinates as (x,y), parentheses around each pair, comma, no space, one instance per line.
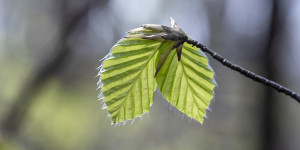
(270,104)
(69,21)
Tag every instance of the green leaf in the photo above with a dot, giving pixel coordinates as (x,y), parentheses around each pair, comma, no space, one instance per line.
(127,75)
(127,78)
(164,52)
(187,84)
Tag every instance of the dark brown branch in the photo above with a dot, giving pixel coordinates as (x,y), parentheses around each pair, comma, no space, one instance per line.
(245,72)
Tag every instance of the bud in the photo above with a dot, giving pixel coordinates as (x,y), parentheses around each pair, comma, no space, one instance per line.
(163,34)
(158,32)
(154,27)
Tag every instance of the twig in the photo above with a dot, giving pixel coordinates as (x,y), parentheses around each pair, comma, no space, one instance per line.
(245,72)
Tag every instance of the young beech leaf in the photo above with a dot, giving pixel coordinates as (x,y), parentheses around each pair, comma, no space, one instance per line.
(187,84)
(149,56)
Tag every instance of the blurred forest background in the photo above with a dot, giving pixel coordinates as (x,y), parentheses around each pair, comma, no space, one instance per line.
(50,49)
